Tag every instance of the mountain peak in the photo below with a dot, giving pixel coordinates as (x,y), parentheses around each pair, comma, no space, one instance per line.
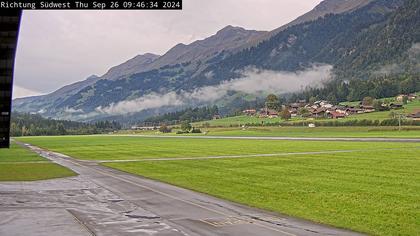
(230,29)
(131,66)
(92,77)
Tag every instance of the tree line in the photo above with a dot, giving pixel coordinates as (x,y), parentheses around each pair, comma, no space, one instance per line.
(337,91)
(189,114)
(24,124)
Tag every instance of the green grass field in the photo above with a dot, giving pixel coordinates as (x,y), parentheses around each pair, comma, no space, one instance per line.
(18,154)
(375,189)
(287,131)
(19,164)
(373,192)
(365,132)
(136,148)
(238,120)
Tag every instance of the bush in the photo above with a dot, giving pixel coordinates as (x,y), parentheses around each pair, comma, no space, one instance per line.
(165,129)
(186,126)
(182,132)
(195,131)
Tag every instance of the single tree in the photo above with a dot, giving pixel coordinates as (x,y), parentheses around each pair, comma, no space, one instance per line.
(285,114)
(303,111)
(272,102)
(331,98)
(367,101)
(60,129)
(312,100)
(377,105)
(165,129)
(405,100)
(186,126)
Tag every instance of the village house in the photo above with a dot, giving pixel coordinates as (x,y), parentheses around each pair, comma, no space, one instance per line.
(395,106)
(250,112)
(270,113)
(318,113)
(410,97)
(415,115)
(343,110)
(296,105)
(353,110)
(323,104)
(401,97)
(366,109)
(335,115)
(293,111)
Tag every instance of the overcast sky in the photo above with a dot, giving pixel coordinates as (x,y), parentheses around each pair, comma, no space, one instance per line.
(57,48)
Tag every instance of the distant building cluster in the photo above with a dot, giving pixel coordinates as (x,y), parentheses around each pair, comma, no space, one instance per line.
(319,109)
(325,109)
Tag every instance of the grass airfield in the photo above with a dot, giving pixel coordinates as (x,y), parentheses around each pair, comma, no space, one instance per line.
(371,192)
(323,132)
(20,164)
(104,147)
(370,187)
(320,132)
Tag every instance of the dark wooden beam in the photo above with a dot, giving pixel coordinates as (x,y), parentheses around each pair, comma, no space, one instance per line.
(9,30)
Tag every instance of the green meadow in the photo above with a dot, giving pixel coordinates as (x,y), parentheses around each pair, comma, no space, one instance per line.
(374,189)
(374,192)
(118,147)
(323,132)
(20,164)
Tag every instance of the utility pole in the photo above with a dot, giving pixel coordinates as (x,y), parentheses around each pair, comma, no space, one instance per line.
(400,116)
(399,122)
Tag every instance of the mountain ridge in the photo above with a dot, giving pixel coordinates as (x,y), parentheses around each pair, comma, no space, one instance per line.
(329,39)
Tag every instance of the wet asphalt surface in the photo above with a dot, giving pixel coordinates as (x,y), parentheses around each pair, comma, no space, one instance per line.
(104,201)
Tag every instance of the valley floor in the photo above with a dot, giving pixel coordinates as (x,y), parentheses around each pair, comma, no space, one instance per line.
(325,132)
(370,187)
(104,201)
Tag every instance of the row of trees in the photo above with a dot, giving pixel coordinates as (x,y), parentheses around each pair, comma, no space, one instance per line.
(189,114)
(36,125)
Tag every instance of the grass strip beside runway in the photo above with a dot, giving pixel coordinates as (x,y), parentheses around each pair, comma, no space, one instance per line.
(373,192)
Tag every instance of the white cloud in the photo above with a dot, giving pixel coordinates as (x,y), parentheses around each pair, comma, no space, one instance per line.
(146,102)
(254,81)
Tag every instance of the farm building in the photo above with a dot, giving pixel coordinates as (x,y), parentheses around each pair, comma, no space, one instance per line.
(270,113)
(335,115)
(415,115)
(250,112)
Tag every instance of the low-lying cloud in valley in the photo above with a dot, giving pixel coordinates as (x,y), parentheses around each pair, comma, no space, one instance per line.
(254,81)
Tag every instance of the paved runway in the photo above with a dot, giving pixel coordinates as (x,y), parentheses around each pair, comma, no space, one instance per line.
(105,201)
